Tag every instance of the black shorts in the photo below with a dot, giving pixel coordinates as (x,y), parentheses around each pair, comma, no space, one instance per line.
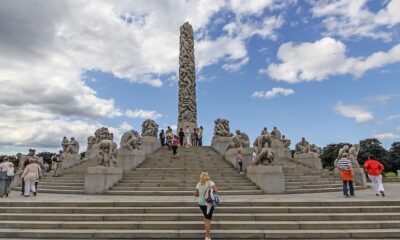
(204,210)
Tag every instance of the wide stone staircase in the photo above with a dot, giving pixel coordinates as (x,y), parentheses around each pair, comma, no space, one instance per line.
(300,178)
(162,175)
(157,219)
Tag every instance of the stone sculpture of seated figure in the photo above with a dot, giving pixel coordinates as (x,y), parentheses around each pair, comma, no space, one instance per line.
(303,146)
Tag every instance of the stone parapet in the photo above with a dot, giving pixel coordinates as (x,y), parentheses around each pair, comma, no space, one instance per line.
(100,179)
(150,144)
(129,159)
(269,178)
(220,144)
(310,159)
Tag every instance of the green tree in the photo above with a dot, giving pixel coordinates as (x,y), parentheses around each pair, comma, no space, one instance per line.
(46,156)
(394,156)
(372,146)
(330,152)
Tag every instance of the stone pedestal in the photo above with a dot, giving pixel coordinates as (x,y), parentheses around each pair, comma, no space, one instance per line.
(71,160)
(100,179)
(310,159)
(359,177)
(247,153)
(150,144)
(129,159)
(269,178)
(220,144)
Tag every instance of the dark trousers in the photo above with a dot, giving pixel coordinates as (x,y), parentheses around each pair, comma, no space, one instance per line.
(181,141)
(348,185)
(200,141)
(240,166)
(22,186)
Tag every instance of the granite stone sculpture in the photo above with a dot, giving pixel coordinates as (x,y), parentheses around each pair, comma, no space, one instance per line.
(130,140)
(71,146)
(262,146)
(285,142)
(187,106)
(101,134)
(221,128)
(276,134)
(90,142)
(240,140)
(149,128)
(352,156)
(106,153)
(315,149)
(303,146)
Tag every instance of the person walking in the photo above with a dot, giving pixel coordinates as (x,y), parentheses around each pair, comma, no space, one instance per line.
(58,164)
(203,189)
(200,136)
(181,136)
(162,138)
(374,169)
(170,136)
(175,144)
(3,177)
(194,137)
(347,175)
(30,175)
(20,171)
(239,161)
(8,167)
(188,137)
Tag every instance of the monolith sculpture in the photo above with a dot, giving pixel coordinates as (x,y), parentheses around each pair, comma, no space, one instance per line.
(187,106)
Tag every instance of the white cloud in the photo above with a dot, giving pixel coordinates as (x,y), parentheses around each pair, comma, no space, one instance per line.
(140,113)
(353,18)
(273,93)
(353,111)
(326,57)
(398,128)
(393,117)
(386,135)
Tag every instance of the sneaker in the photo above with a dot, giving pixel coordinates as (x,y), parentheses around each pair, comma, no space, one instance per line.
(34,194)
(377,194)
(346,195)
(383,193)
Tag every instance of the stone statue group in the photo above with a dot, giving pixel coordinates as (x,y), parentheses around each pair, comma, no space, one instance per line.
(102,147)
(267,145)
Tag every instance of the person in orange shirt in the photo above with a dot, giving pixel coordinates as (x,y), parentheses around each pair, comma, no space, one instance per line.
(374,169)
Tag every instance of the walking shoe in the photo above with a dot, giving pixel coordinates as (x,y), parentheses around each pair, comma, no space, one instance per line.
(346,195)
(377,194)
(34,194)
(383,193)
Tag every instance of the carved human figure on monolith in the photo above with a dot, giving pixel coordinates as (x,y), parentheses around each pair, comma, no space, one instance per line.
(149,128)
(276,134)
(187,106)
(72,146)
(285,142)
(352,156)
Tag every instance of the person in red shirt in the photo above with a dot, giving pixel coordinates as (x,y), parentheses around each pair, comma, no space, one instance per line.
(374,169)
(175,144)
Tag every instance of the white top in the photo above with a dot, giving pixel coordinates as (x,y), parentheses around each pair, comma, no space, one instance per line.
(202,191)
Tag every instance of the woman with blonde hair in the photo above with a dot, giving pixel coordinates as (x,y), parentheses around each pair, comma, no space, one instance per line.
(202,192)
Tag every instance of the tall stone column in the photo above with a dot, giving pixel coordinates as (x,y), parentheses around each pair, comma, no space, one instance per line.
(187,79)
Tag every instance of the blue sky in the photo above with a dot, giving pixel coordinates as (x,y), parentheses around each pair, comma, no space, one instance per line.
(325,70)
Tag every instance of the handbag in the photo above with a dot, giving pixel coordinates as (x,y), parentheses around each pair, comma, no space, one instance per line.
(10,171)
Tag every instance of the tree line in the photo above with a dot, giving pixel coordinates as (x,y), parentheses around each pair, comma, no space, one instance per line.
(370,146)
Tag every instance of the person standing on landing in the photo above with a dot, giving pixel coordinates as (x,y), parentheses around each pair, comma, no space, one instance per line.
(202,187)
(175,144)
(181,136)
(346,173)
(374,169)
(188,136)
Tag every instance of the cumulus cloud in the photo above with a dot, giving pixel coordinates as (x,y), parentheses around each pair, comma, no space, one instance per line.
(273,93)
(323,58)
(398,128)
(353,18)
(385,135)
(140,113)
(393,117)
(48,46)
(354,111)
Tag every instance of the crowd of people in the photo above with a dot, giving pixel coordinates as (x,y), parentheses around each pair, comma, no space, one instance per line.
(188,138)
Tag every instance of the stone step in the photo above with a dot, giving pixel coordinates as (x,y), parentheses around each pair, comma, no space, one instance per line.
(183,188)
(181,193)
(195,217)
(197,234)
(289,183)
(195,210)
(313,186)
(197,225)
(319,190)
(180,184)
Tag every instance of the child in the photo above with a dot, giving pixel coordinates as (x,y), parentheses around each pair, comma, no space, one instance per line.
(175,144)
